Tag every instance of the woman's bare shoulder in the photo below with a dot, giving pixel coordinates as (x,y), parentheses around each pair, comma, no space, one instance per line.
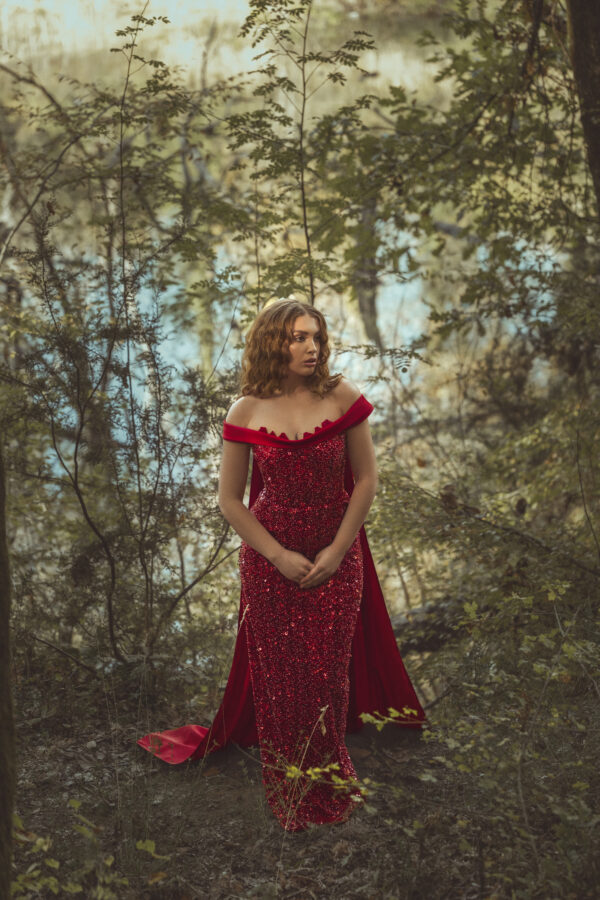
(240,411)
(346,392)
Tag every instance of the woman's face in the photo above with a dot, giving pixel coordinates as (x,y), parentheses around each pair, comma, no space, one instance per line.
(305,345)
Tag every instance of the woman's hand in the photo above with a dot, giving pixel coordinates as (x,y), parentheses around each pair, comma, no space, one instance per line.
(327,562)
(292,564)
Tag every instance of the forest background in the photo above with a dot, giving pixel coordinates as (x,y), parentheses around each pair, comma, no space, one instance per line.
(429,176)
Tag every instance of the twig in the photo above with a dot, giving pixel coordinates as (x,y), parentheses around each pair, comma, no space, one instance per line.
(210,566)
(440,696)
(516,532)
(303,165)
(530,833)
(68,655)
(581,488)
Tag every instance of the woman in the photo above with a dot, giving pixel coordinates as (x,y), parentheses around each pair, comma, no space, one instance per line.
(315,646)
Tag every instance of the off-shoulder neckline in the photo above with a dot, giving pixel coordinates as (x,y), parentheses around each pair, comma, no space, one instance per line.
(264,430)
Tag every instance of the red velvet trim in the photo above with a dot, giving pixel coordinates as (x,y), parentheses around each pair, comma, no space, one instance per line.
(360,409)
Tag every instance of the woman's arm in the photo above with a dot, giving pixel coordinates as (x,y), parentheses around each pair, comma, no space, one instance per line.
(232,484)
(364,468)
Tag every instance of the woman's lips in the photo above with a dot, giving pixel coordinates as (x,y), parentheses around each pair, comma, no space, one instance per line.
(310,362)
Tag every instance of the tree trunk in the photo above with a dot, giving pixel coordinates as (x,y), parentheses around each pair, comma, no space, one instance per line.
(584,33)
(364,278)
(7,734)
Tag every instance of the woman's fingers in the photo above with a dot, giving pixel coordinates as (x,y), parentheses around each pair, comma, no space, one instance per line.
(307,573)
(314,577)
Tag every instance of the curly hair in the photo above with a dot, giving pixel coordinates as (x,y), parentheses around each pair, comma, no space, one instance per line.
(266,356)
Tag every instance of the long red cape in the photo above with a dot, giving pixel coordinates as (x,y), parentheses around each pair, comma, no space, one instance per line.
(378,679)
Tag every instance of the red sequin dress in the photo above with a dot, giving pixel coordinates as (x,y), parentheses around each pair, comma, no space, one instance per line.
(307,662)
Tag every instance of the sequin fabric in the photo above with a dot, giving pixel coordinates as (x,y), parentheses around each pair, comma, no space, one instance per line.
(300,639)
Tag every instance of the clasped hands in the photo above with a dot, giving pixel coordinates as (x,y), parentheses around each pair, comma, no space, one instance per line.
(305,573)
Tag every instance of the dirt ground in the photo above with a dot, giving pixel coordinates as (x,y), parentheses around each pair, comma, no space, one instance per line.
(214,834)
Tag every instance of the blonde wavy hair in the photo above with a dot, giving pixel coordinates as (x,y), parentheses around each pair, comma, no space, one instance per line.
(266,357)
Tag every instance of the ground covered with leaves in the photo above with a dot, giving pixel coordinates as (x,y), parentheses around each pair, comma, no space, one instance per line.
(496,798)
(104,818)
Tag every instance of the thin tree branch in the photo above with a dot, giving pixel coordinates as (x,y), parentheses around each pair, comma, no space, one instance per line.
(68,655)
(583,498)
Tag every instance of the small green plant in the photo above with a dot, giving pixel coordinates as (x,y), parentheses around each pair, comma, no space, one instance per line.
(43,875)
(92,875)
